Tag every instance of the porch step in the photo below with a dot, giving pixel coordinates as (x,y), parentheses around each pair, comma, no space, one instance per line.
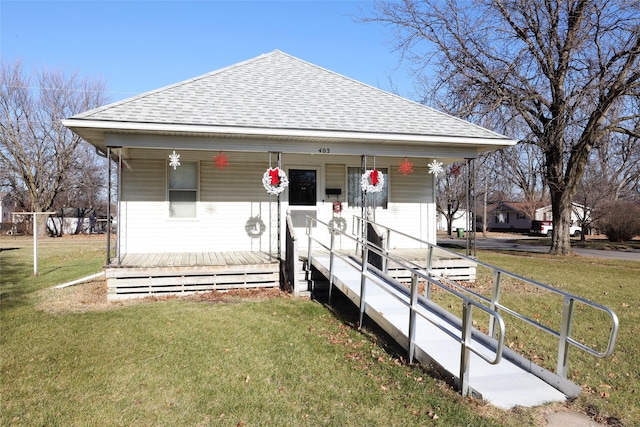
(132,282)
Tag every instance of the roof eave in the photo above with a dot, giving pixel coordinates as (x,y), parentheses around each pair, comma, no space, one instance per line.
(84,126)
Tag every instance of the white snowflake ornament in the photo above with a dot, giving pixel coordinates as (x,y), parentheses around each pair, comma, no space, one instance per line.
(174,160)
(435,167)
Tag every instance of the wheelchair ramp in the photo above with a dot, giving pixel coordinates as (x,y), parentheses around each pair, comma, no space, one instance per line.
(509,383)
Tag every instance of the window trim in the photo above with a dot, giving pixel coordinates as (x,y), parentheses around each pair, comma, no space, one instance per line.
(196,190)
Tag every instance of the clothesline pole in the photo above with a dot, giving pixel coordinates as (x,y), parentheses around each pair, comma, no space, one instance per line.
(35,236)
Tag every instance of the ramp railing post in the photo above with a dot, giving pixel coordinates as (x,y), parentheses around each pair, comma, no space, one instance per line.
(565,332)
(385,251)
(495,299)
(412,316)
(427,288)
(363,280)
(465,353)
(331,258)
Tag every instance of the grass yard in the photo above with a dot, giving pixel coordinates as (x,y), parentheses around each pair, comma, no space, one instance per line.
(69,358)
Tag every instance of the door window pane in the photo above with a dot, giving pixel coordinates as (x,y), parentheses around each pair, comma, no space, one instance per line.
(302,187)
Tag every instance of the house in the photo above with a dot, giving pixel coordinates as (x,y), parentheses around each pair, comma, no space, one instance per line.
(460,220)
(204,163)
(508,217)
(579,215)
(7,207)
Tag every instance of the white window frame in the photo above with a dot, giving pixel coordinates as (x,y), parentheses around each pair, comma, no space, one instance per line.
(192,190)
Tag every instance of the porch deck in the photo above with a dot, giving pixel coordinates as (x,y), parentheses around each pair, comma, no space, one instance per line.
(195,259)
(180,273)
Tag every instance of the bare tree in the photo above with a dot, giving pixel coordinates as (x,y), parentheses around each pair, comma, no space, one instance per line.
(563,73)
(37,153)
(451,194)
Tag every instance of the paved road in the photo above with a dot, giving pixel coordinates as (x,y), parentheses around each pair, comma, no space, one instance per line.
(511,245)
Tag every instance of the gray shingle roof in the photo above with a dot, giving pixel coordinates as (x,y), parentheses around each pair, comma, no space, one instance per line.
(278,91)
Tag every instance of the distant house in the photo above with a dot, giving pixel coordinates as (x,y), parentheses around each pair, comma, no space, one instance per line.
(7,207)
(509,216)
(459,221)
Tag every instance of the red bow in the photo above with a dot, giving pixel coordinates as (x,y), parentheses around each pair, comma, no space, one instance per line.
(275,177)
(374,177)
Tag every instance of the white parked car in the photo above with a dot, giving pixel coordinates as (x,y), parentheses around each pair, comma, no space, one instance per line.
(545,228)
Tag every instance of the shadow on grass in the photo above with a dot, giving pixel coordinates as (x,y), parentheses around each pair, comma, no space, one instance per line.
(13,284)
(348,313)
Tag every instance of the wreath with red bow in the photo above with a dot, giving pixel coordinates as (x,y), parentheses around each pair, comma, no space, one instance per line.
(275,181)
(372,181)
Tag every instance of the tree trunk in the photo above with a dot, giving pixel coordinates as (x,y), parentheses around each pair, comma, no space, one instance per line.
(560,240)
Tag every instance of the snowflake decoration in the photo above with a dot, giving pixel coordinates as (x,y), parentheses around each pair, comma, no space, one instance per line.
(174,160)
(406,167)
(435,167)
(221,161)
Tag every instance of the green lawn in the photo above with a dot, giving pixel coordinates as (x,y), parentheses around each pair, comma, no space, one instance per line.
(68,358)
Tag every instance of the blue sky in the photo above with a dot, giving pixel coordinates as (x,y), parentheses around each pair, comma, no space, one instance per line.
(137,46)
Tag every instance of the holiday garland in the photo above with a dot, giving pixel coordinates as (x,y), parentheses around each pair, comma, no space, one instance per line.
(372,181)
(275,181)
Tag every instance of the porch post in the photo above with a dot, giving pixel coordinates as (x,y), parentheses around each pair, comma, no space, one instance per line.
(280,213)
(108,205)
(471,229)
(363,204)
(119,198)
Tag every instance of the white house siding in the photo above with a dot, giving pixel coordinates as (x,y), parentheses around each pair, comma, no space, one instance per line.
(229,199)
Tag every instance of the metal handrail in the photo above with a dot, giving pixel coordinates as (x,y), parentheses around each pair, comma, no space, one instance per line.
(366,273)
(569,300)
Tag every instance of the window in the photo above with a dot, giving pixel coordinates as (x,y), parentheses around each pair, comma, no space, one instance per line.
(354,192)
(183,190)
(302,187)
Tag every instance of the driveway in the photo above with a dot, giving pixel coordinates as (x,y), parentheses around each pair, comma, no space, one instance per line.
(508,244)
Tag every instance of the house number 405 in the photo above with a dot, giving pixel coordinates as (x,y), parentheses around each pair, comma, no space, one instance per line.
(324,150)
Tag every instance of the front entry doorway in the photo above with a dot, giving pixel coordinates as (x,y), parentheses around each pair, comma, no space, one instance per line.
(303,195)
